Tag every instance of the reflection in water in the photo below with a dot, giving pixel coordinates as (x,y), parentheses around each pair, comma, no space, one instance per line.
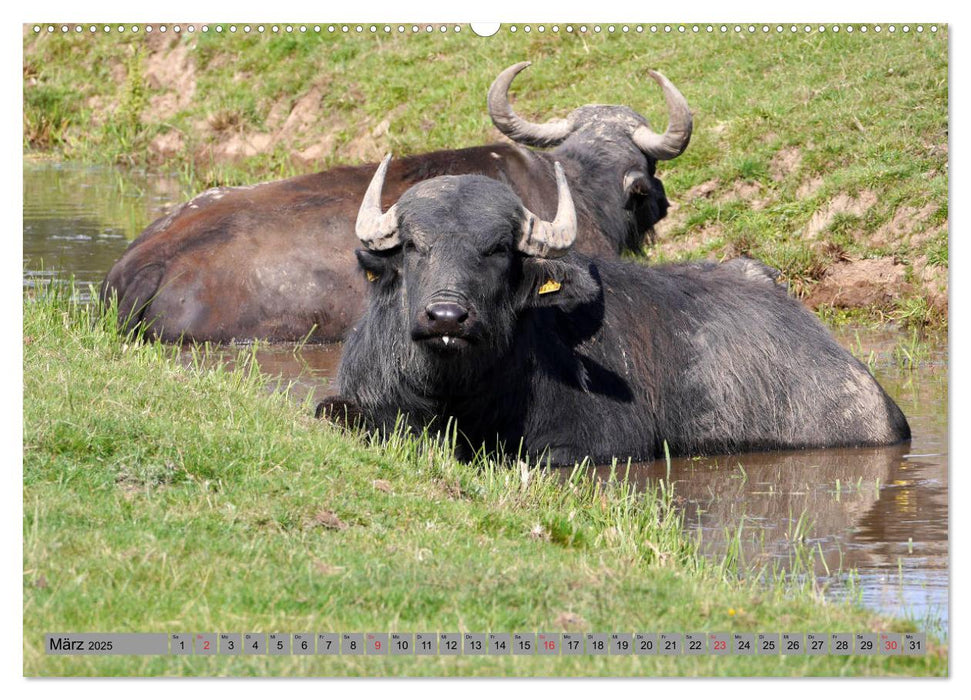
(880,512)
(78,221)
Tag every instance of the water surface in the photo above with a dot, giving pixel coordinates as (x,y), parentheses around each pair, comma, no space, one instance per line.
(78,221)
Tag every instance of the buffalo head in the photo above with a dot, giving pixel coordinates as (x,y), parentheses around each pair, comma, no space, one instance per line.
(458,258)
(615,145)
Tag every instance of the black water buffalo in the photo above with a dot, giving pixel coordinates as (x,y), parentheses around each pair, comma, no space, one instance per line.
(275,261)
(480,313)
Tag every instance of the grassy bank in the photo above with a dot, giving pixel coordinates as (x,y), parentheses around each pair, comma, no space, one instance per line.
(160,498)
(822,153)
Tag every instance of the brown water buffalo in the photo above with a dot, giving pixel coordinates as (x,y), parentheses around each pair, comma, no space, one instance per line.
(275,261)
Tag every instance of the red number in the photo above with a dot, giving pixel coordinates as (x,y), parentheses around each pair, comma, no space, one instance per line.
(891,644)
(720,645)
(377,644)
(549,644)
(205,645)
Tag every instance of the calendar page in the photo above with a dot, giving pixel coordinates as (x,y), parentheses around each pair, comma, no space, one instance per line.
(524,349)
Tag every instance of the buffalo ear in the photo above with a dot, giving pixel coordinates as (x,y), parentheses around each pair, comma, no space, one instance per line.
(645,196)
(637,184)
(377,267)
(561,283)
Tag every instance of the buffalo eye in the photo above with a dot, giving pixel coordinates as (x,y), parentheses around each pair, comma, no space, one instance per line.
(498,249)
(409,247)
(375,264)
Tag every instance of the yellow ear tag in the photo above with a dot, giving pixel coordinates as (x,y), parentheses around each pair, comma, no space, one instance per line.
(550,286)
(371,277)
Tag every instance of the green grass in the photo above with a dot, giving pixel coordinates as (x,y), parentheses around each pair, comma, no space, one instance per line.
(161,496)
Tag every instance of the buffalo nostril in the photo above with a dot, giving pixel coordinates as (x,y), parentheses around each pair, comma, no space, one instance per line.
(445,316)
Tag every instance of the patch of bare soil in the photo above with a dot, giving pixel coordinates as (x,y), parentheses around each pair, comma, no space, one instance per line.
(171,71)
(718,129)
(168,144)
(905,222)
(704,190)
(933,281)
(117,70)
(743,190)
(840,204)
(279,111)
(99,106)
(296,128)
(810,187)
(700,237)
(316,152)
(664,229)
(238,145)
(304,114)
(746,191)
(876,282)
(784,163)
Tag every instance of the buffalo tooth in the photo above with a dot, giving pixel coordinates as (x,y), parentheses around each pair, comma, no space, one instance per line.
(445,339)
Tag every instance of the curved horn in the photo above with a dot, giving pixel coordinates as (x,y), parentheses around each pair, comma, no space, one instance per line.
(377,231)
(672,142)
(551,239)
(515,127)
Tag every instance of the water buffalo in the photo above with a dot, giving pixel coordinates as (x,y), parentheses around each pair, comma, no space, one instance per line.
(480,313)
(275,261)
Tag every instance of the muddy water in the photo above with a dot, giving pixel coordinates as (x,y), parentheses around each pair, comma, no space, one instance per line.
(881,514)
(78,221)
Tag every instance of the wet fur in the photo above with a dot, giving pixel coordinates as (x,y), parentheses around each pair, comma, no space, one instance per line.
(707,358)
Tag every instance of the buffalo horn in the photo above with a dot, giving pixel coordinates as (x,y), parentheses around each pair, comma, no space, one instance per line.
(515,127)
(551,239)
(377,231)
(672,142)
